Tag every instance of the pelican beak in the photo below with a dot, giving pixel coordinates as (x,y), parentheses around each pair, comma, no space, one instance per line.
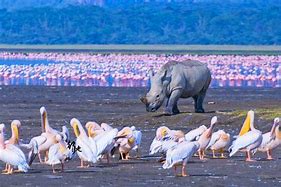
(76,129)
(246,126)
(131,140)
(90,132)
(164,133)
(16,132)
(44,117)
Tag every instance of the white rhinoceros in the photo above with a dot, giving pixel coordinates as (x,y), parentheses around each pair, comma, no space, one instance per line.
(177,80)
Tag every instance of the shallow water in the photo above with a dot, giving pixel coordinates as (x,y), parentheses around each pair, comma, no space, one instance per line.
(41,72)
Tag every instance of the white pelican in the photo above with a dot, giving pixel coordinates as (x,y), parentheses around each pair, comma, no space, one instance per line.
(161,146)
(44,141)
(102,138)
(106,127)
(11,154)
(219,141)
(271,139)
(14,140)
(126,143)
(247,140)
(164,131)
(180,153)
(82,140)
(195,133)
(58,153)
(138,135)
(93,129)
(205,138)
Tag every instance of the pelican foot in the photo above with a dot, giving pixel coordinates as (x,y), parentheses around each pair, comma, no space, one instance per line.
(250,160)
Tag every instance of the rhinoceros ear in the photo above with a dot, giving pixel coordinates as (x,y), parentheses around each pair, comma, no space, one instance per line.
(151,73)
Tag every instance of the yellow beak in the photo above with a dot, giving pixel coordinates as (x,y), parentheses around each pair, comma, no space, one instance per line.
(76,129)
(246,126)
(16,133)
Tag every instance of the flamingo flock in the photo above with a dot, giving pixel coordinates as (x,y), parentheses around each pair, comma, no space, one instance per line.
(96,142)
(131,70)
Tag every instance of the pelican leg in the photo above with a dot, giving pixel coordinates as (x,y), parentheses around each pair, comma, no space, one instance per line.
(248,157)
(214,155)
(175,170)
(62,168)
(10,170)
(53,167)
(82,164)
(46,156)
(269,154)
(40,159)
(222,156)
(128,156)
(138,153)
(183,170)
(6,168)
(107,158)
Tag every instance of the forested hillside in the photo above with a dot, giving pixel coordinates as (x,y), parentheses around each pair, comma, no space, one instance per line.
(144,23)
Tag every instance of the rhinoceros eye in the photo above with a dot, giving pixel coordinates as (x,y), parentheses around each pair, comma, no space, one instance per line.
(157,96)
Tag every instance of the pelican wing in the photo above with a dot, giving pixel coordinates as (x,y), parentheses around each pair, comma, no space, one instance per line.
(215,137)
(244,141)
(105,141)
(195,133)
(155,146)
(106,127)
(168,144)
(266,139)
(179,153)
(137,135)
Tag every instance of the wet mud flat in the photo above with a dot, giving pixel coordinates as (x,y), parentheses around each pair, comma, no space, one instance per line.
(122,107)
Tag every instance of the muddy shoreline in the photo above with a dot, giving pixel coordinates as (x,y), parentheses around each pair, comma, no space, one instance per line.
(121,107)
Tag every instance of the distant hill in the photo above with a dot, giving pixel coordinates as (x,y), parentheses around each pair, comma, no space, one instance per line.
(138,22)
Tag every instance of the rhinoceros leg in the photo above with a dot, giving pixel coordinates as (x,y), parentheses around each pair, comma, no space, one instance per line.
(171,106)
(198,102)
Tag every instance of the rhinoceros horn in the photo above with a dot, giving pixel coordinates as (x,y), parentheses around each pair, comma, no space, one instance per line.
(144,100)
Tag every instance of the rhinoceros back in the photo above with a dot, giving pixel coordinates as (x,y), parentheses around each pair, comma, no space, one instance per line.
(192,76)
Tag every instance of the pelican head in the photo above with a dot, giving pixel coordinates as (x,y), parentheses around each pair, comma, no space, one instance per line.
(162,132)
(214,120)
(43,110)
(133,128)
(125,131)
(276,121)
